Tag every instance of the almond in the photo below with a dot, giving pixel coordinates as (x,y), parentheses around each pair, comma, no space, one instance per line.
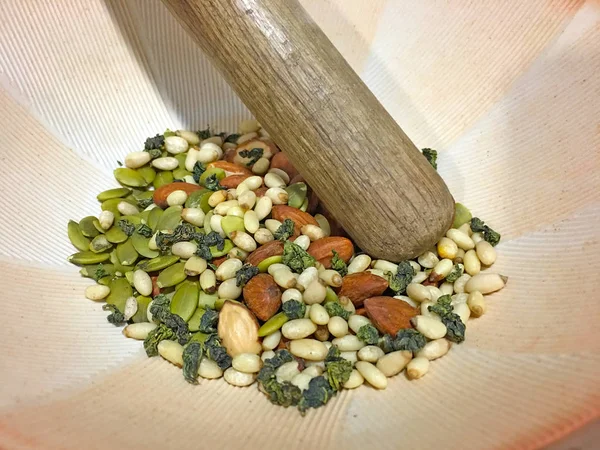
(300,218)
(361,312)
(262,296)
(230,168)
(160,195)
(361,285)
(238,329)
(232,181)
(220,260)
(269,149)
(261,191)
(155,288)
(281,161)
(321,249)
(272,248)
(389,314)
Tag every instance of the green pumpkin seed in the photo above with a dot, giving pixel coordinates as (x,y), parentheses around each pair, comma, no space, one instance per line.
(296,194)
(215,252)
(180,174)
(194,199)
(105,281)
(144,215)
(129,177)
(163,178)
(194,322)
(207,217)
(88,257)
(273,324)
(140,315)
(171,276)
(159,263)
(113,203)
(90,271)
(148,173)
(330,296)
(129,277)
(79,241)
(100,244)
(98,227)
(136,220)
(120,291)
(263,266)
(115,235)
(86,225)
(207,300)
(220,173)
(120,269)
(181,157)
(304,206)
(126,253)
(170,219)
(185,300)
(231,224)
(154,217)
(199,337)
(113,193)
(140,243)
(462,215)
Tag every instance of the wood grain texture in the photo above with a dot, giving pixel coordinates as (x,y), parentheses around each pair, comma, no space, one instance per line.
(351,152)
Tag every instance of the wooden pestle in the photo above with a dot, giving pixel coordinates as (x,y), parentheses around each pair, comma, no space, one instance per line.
(351,152)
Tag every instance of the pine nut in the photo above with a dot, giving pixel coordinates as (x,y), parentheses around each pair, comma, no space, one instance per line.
(372,374)
(171,351)
(348,343)
(272,180)
(360,263)
(298,328)
(434,349)
(331,278)
(246,137)
(248,126)
(194,266)
(408,300)
(176,198)
(318,314)
(313,371)
(228,289)
(419,277)
(251,223)
(472,264)
(459,298)
(328,345)
(273,268)
(209,152)
(271,341)
(459,284)
(435,293)
(237,253)
(247,200)
(417,367)
(486,253)
(215,224)
(284,278)
(347,304)
(195,216)
(355,322)
(301,381)
(355,380)
(191,137)
(243,240)
(291,294)
(476,303)
(315,292)
(216,198)
(262,236)
(486,283)
(429,327)
(176,144)
(447,288)
(278,196)
(477,237)
(463,311)
(139,331)
(272,225)
(393,363)
(98,292)
(246,363)
(428,260)
(184,250)
(337,326)
(267,355)
(460,256)
(441,270)
(461,239)
(284,176)
(350,356)
(466,228)
(261,166)
(418,292)
(313,232)
(425,310)
(223,207)
(236,211)
(303,242)
(208,281)
(191,159)
(377,272)
(135,160)
(263,207)
(227,269)
(307,276)
(127,209)
(309,349)
(106,219)
(209,369)
(385,266)
(252,183)
(323,224)
(287,371)
(165,163)
(142,282)
(370,353)
(130,308)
